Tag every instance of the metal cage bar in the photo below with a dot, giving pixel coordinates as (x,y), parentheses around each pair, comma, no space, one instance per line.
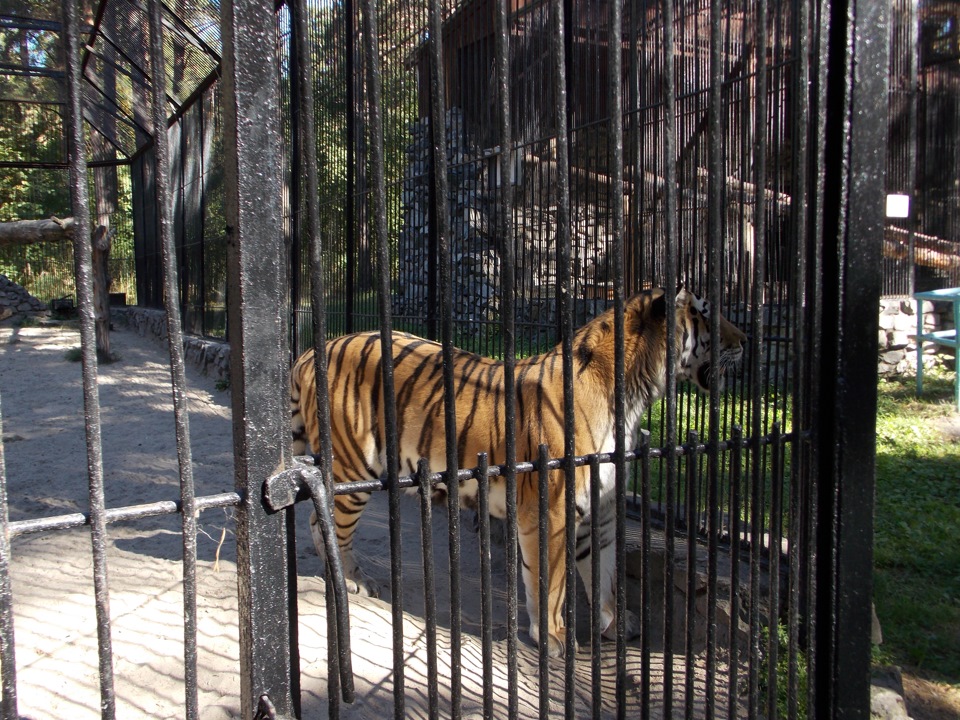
(91,400)
(258,368)
(178,373)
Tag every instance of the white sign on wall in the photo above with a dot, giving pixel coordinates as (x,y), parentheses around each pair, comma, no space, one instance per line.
(898,206)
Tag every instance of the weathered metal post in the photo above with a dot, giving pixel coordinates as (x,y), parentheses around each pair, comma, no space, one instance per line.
(257,292)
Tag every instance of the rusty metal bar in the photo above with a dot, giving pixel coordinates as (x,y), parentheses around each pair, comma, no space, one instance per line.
(8,660)
(257,296)
(178,373)
(83,264)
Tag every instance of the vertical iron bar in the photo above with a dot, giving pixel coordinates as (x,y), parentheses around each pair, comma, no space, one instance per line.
(813,331)
(558,51)
(486,587)
(756,345)
(913,58)
(800,468)
(295,40)
(693,442)
(543,587)
(773,638)
(257,292)
(373,59)
(645,580)
(508,291)
(429,584)
(855,150)
(350,209)
(715,272)
(615,143)
(670,284)
(441,213)
(340,676)
(83,268)
(594,589)
(733,682)
(8,659)
(178,374)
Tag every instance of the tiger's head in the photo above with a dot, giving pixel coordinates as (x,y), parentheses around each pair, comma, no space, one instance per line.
(693,337)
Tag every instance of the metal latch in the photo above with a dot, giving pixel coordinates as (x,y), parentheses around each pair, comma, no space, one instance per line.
(305,480)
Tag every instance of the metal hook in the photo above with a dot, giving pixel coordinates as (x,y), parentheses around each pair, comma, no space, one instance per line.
(299,483)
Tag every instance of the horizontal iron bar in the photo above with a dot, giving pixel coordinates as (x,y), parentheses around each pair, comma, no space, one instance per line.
(410,481)
(133,512)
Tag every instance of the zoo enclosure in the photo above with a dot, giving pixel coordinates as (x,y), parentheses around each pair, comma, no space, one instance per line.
(666,234)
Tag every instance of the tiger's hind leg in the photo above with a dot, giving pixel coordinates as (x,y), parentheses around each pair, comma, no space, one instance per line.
(347,511)
(608,572)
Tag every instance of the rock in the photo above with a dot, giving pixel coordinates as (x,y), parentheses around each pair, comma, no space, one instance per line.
(886,695)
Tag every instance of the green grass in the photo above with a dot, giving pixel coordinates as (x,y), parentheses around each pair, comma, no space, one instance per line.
(917,526)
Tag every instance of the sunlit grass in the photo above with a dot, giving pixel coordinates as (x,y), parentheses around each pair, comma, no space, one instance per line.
(917,517)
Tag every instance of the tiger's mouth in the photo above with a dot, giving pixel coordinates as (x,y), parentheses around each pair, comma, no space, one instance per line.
(702,377)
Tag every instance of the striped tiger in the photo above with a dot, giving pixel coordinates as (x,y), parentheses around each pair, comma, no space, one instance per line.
(357,427)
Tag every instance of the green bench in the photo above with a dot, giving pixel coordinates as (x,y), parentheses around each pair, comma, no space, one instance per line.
(947,338)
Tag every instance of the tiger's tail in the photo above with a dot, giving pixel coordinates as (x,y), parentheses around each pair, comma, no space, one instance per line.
(298,427)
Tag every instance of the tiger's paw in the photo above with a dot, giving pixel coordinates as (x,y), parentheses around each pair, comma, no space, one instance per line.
(358,583)
(556,643)
(631,627)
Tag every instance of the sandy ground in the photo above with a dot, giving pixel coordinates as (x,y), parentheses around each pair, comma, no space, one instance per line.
(56,645)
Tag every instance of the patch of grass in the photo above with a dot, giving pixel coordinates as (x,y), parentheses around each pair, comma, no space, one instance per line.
(222,384)
(916,553)
(26,321)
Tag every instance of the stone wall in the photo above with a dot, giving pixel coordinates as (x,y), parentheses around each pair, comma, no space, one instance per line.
(474,246)
(211,357)
(14,300)
(897,347)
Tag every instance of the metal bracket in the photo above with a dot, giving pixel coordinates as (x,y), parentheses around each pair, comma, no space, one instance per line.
(305,480)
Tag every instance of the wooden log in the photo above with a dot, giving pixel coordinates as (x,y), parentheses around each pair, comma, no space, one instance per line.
(929,250)
(33,231)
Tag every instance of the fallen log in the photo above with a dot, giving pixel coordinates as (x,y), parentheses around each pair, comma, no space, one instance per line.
(928,250)
(33,231)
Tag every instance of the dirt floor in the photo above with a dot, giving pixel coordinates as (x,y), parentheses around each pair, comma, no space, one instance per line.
(929,700)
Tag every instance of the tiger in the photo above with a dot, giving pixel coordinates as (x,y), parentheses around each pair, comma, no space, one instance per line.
(357,428)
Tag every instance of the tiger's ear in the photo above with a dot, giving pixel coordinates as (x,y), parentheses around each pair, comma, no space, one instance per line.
(658,305)
(684,296)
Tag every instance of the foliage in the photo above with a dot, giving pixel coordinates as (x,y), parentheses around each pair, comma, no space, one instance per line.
(30,131)
(916,554)
(783,672)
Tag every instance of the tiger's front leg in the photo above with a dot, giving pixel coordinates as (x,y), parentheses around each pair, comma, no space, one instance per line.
(528,536)
(346,514)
